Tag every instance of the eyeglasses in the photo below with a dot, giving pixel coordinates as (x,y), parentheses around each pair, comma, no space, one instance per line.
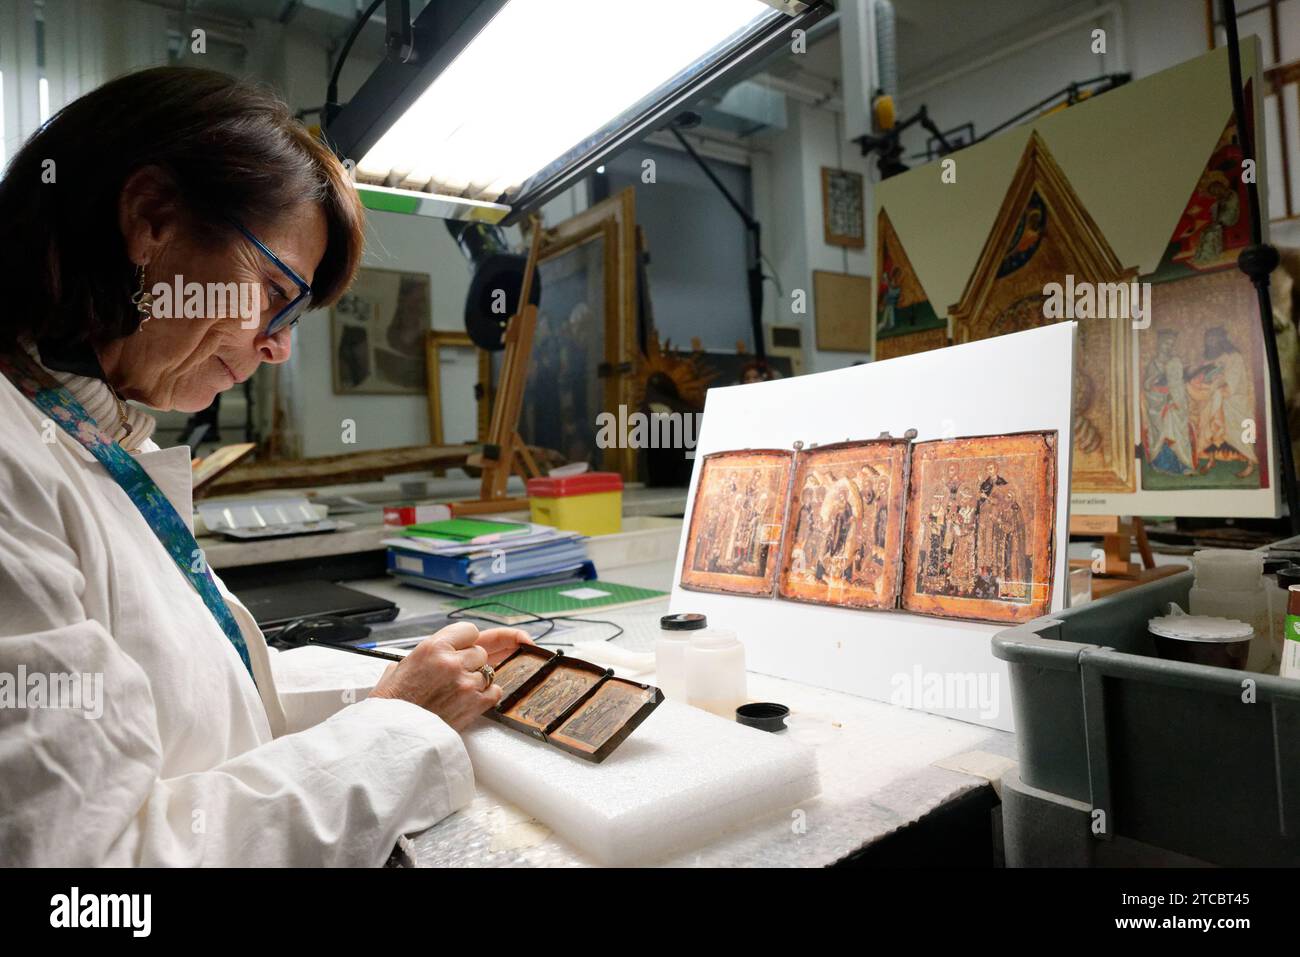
(299,304)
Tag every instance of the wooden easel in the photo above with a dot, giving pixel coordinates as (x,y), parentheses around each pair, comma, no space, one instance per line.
(1119,535)
(504,451)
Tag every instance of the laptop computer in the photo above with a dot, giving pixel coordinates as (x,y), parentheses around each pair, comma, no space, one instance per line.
(274,606)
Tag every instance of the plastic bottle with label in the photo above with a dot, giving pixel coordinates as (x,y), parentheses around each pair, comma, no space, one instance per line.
(1290,667)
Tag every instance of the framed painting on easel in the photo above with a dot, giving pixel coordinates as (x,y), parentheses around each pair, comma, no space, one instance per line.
(565,391)
(585,347)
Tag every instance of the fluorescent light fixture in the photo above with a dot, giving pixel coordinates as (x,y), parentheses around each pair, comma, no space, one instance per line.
(519,98)
(415,203)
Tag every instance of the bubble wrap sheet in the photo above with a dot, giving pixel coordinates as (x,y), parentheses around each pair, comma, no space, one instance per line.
(683,778)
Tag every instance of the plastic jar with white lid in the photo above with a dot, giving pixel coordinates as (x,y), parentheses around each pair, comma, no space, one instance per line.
(715,672)
(1230,584)
(675,633)
(1201,639)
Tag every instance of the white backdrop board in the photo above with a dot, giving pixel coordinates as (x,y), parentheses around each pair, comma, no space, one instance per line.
(1013,383)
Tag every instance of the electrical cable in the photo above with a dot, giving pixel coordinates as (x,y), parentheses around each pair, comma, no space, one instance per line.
(332,91)
(459,614)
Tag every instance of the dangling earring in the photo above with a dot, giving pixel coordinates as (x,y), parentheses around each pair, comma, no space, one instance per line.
(143,301)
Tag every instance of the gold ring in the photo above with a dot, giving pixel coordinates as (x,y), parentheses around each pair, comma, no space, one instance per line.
(490,674)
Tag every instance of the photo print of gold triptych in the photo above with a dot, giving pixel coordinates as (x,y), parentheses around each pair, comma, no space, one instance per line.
(954,528)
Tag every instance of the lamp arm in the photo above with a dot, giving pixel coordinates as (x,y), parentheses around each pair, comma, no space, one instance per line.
(755,256)
(713,178)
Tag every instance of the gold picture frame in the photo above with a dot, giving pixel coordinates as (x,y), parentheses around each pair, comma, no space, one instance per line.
(435,340)
(613,221)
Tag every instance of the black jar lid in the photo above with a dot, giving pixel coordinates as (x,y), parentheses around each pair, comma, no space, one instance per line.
(1288,576)
(763,715)
(687,621)
(1272,565)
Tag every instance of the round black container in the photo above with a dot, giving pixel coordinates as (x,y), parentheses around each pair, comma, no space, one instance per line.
(764,715)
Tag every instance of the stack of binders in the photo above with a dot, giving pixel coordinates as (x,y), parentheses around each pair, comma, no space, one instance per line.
(474,558)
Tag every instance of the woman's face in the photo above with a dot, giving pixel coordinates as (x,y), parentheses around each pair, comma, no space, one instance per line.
(174,362)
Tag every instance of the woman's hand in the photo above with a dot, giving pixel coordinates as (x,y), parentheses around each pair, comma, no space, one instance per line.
(500,643)
(441,674)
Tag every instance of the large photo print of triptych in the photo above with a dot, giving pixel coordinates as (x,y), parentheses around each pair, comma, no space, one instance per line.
(952,528)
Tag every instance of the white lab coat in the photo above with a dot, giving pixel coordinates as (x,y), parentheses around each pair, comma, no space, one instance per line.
(189,763)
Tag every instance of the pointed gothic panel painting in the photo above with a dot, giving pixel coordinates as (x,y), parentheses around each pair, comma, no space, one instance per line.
(1215,224)
(1044,235)
(905,320)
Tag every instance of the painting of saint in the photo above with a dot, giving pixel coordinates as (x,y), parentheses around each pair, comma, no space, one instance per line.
(602,715)
(1028,235)
(1202,366)
(557,692)
(735,532)
(980,527)
(847,507)
(519,668)
(1215,224)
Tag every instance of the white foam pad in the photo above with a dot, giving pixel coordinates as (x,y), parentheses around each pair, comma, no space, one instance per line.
(683,778)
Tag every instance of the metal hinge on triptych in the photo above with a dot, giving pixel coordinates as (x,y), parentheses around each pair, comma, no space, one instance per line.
(783,540)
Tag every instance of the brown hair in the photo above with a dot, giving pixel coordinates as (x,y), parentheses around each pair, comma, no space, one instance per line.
(231,149)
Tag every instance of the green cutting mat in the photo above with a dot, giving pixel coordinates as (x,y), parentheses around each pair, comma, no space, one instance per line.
(463,529)
(550,602)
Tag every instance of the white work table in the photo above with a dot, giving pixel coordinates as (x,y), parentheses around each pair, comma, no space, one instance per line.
(881,768)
